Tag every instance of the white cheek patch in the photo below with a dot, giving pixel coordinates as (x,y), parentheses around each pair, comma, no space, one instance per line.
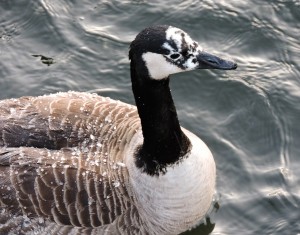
(158,67)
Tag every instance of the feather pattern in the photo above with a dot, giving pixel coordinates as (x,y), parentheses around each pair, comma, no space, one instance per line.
(68,170)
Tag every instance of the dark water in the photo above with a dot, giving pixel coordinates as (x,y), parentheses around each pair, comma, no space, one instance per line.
(249,117)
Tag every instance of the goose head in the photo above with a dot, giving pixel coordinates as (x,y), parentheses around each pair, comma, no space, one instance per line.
(166,50)
(155,54)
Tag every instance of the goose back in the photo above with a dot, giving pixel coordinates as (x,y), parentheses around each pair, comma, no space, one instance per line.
(61,158)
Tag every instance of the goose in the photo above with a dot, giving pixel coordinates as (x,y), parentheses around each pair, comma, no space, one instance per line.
(78,163)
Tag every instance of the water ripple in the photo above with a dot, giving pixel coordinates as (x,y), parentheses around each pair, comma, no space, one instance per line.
(103,32)
(57,8)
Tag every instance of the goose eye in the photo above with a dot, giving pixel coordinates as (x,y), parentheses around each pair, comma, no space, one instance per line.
(174,56)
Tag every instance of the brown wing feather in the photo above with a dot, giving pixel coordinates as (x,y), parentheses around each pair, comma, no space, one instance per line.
(61,159)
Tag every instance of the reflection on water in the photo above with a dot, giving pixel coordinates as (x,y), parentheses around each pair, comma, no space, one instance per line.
(249,118)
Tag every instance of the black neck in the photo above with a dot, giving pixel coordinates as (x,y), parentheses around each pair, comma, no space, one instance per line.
(164,141)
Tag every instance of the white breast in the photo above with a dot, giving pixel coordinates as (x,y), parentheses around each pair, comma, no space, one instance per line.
(176,201)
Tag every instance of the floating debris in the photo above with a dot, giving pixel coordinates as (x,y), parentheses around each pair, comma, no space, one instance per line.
(45,60)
